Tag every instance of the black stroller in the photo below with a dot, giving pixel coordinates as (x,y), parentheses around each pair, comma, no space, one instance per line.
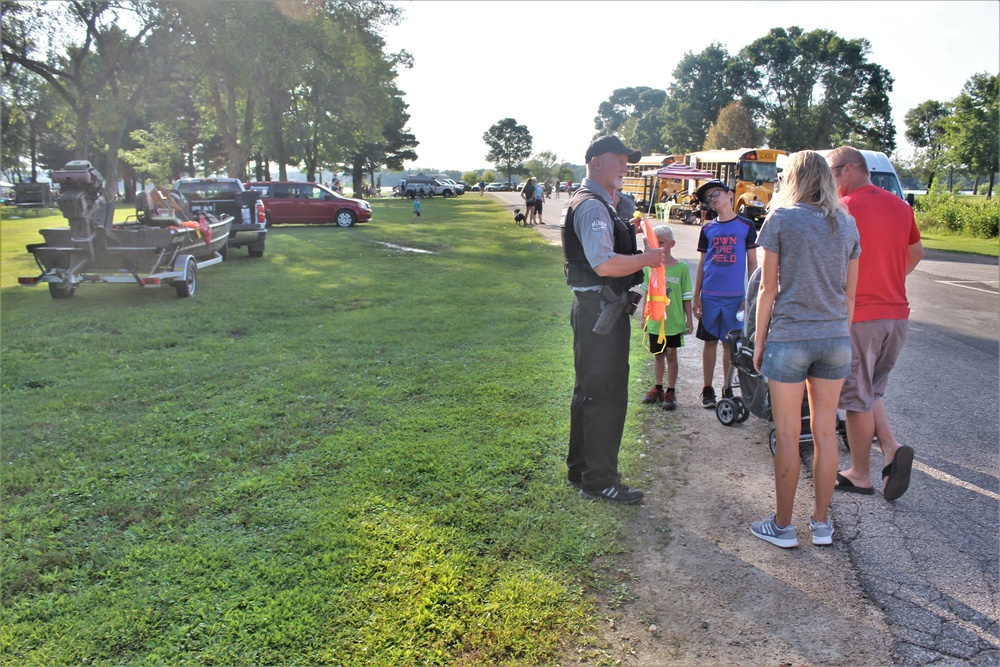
(754,397)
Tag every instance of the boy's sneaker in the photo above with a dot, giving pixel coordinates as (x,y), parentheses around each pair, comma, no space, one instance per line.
(654,396)
(708,398)
(768,530)
(822,532)
(669,400)
(616,493)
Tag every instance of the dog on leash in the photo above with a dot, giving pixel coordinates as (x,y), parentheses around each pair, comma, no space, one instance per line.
(519,219)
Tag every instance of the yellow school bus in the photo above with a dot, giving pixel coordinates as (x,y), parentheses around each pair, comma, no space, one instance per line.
(750,172)
(641,183)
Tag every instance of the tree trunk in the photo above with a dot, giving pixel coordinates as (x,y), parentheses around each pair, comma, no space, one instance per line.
(82,148)
(930,182)
(358,175)
(989,192)
(975,186)
(33,149)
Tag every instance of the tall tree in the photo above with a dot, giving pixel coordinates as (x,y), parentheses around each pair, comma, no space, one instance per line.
(815,89)
(86,60)
(509,145)
(703,85)
(973,130)
(392,150)
(543,166)
(925,129)
(633,115)
(734,129)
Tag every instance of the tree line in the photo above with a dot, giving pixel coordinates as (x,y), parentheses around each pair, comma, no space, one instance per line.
(796,90)
(151,89)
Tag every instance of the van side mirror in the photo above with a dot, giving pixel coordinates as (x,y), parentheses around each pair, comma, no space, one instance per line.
(910,199)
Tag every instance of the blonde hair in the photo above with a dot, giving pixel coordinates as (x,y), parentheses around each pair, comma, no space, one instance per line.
(663,233)
(807,179)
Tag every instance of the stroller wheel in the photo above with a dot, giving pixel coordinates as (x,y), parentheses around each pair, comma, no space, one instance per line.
(772,441)
(744,412)
(728,411)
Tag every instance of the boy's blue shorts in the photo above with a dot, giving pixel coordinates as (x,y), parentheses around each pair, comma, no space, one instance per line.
(718,317)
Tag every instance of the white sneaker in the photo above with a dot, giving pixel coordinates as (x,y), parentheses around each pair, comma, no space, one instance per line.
(769,531)
(822,532)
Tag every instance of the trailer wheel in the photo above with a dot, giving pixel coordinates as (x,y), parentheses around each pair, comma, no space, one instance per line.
(189,284)
(64,290)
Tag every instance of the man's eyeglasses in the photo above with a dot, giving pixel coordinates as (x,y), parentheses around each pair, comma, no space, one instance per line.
(840,166)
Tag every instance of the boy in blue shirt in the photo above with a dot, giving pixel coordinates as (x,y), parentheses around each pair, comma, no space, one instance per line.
(728,247)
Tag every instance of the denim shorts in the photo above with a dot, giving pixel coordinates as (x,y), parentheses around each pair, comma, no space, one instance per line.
(792,361)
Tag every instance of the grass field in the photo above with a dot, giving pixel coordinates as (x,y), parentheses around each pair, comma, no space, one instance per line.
(338,454)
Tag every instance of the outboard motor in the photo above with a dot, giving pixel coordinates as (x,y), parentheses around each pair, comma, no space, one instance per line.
(81,200)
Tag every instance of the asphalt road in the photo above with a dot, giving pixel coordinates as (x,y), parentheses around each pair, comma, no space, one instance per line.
(929,560)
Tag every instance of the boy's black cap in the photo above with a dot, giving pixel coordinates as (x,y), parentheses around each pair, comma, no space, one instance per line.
(715,183)
(611,144)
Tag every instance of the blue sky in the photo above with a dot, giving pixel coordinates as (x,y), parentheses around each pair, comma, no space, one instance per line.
(549,64)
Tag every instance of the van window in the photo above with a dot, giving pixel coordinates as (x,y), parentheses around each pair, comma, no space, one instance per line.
(887,181)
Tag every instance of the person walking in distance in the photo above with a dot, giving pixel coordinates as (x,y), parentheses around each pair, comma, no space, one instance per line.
(891,249)
(600,252)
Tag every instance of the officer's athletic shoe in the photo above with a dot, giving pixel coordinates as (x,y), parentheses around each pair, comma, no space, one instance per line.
(768,530)
(616,493)
(708,398)
(669,400)
(822,532)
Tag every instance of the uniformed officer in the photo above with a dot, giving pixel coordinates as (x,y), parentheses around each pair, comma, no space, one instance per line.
(600,250)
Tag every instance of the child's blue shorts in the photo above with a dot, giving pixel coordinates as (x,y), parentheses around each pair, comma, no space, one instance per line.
(718,316)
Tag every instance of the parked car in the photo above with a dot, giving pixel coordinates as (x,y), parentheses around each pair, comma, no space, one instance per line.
(228,196)
(499,187)
(469,188)
(301,202)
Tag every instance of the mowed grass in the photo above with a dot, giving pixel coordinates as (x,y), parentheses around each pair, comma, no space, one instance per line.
(340,453)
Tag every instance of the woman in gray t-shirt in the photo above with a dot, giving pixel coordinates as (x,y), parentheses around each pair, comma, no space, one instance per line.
(804,308)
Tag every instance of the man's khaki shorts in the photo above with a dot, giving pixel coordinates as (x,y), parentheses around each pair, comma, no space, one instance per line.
(875,346)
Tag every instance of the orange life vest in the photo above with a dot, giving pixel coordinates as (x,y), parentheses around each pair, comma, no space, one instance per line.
(656,296)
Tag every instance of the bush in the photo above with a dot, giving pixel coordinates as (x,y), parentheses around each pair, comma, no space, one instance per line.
(945,212)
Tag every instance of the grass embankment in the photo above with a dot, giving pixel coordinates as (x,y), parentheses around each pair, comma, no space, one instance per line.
(337,454)
(959,223)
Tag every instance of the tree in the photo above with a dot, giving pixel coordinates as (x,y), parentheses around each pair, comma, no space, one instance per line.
(509,145)
(704,83)
(543,165)
(973,130)
(158,156)
(470,177)
(734,129)
(393,148)
(815,90)
(89,74)
(925,129)
(633,115)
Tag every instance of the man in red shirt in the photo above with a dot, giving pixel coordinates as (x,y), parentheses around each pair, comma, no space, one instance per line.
(890,250)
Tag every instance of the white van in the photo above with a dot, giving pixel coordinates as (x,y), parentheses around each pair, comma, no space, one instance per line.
(882,172)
